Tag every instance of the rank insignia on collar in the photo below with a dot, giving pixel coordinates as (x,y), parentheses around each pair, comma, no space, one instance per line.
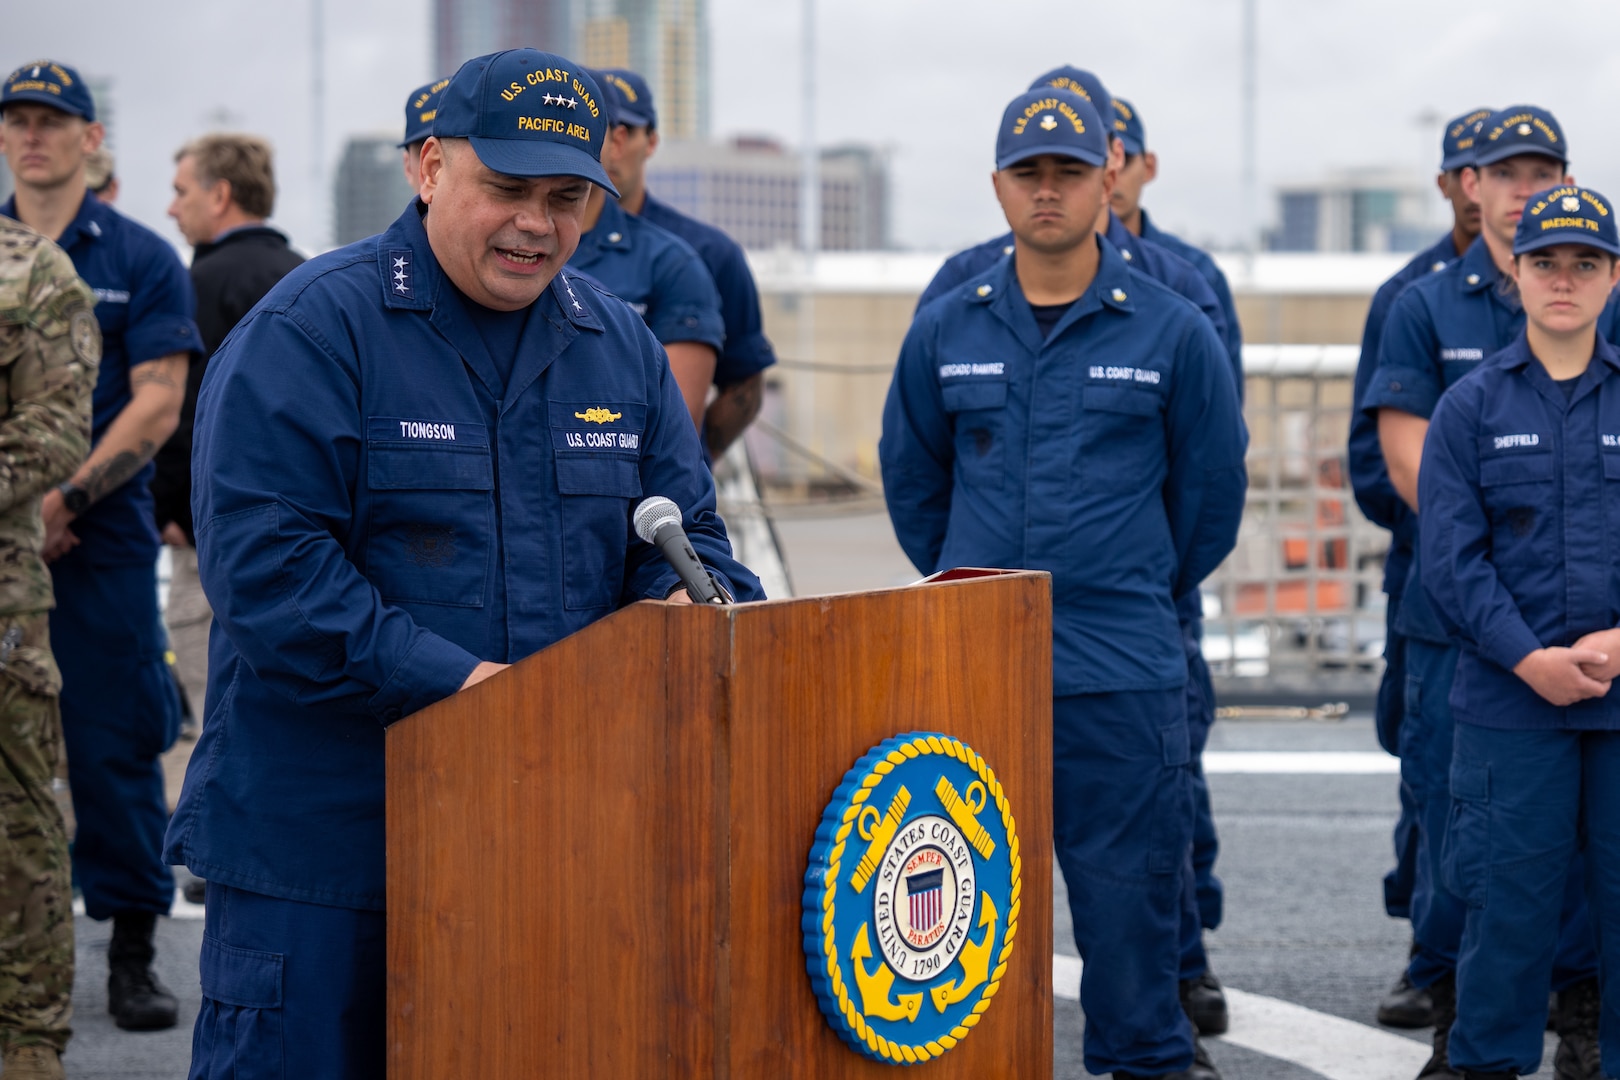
(399,271)
(912,898)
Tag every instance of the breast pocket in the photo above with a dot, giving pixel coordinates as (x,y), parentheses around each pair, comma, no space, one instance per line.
(432,516)
(1517,491)
(1121,438)
(599,493)
(978,411)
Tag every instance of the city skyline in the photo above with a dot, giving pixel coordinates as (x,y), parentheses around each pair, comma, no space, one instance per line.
(924,82)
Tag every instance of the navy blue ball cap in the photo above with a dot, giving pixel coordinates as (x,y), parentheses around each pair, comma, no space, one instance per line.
(1520,129)
(528,113)
(1461,138)
(1079,81)
(632,98)
(46,82)
(420,108)
(1049,121)
(1128,127)
(1567,215)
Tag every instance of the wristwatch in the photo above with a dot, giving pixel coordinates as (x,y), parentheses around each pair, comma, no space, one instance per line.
(74,497)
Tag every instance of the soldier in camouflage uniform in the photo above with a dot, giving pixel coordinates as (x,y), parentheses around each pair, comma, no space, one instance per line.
(50,346)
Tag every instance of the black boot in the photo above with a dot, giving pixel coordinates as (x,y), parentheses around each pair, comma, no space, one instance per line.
(137,1001)
(1204,1002)
(1576,1020)
(1202,1068)
(1405,1006)
(1443,996)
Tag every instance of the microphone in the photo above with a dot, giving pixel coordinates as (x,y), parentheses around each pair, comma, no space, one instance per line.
(658,521)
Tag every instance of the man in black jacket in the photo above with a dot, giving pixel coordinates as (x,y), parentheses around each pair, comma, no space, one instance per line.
(224,188)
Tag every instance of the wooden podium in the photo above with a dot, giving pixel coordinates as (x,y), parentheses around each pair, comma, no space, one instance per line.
(596,859)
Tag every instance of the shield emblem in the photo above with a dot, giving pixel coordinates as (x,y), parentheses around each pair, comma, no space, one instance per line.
(1571,204)
(925,894)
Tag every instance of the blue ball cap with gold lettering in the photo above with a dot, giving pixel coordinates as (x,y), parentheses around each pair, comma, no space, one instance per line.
(1082,82)
(1050,121)
(46,82)
(632,98)
(420,108)
(1461,139)
(528,113)
(1567,215)
(1520,129)
(1128,127)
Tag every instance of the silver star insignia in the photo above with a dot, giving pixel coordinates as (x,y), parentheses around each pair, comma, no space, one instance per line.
(549,100)
(572,103)
(399,263)
(399,288)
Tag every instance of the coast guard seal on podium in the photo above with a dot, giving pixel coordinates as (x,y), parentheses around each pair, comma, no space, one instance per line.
(911,898)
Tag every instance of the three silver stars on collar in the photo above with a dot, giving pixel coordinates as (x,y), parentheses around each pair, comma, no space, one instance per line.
(400,274)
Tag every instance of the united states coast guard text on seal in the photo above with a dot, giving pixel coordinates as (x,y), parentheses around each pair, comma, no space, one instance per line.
(911,898)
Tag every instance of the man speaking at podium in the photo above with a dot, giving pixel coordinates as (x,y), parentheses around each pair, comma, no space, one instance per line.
(415,463)
(1061,411)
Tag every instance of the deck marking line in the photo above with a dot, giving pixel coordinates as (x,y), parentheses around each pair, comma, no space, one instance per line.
(1336,1048)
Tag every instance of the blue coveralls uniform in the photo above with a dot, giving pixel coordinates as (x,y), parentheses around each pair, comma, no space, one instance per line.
(366,539)
(656,273)
(1369,479)
(1126,483)
(120,709)
(1438,330)
(1208,900)
(1520,489)
(746,351)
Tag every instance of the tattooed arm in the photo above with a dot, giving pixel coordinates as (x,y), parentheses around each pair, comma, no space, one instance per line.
(732,412)
(157,388)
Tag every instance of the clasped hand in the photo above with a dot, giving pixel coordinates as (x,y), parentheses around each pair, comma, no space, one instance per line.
(1584,670)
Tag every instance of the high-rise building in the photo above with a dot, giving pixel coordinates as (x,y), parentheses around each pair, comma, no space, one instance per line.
(369,191)
(1365,210)
(750,188)
(463,29)
(667,41)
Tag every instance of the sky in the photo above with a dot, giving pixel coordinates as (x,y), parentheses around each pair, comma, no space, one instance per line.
(1341,83)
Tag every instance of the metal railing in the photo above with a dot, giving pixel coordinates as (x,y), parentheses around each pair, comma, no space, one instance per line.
(1297,608)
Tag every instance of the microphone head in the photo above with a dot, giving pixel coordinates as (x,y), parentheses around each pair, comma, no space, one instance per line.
(653,514)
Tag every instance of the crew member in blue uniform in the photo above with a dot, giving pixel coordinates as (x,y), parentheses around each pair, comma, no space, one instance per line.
(416,463)
(1520,497)
(120,709)
(739,371)
(1064,412)
(420,109)
(660,276)
(1140,168)
(1437,332)
(1201,991)
(1405,887)
(1142,254)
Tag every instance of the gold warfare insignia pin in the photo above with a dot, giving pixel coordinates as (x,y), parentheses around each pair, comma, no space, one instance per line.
(911,898)
(1048,122)
(597,416)
(1570,204)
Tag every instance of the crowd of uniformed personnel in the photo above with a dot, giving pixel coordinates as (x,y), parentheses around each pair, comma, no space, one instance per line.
(382,494)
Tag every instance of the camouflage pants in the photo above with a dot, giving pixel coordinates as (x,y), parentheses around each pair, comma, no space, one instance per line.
(36,897)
